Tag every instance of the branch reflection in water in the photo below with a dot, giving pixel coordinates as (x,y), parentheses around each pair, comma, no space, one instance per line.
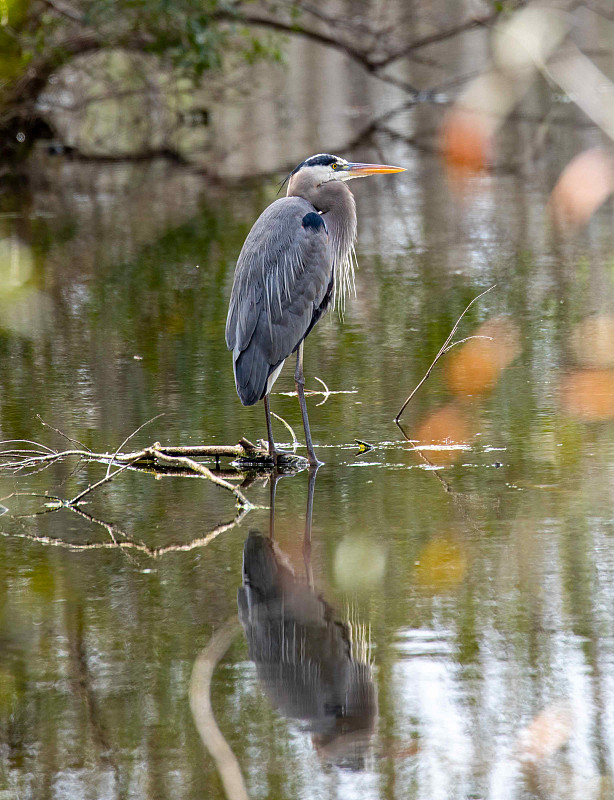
(313,666)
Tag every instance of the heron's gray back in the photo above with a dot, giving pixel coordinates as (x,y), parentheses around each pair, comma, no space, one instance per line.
(281,286)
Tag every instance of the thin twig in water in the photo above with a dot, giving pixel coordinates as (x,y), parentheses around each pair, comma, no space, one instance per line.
(326,391)
(443,350)
(295,441)
(127,439)
(61,433)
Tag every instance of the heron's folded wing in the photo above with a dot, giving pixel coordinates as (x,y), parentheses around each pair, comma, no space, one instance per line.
(282,279)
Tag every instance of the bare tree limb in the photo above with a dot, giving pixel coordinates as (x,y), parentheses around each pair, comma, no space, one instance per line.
(21,459)
(435,38)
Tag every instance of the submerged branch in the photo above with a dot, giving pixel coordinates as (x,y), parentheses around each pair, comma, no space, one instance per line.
(212,738)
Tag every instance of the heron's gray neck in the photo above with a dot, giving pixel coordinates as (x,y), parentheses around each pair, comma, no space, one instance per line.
(335,202)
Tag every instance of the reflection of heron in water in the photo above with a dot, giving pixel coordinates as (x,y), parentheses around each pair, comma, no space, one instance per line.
(305,657)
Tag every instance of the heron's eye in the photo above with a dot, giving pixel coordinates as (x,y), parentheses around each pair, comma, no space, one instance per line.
(334,166)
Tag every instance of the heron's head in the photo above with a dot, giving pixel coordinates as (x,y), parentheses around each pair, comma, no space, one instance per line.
(323,168)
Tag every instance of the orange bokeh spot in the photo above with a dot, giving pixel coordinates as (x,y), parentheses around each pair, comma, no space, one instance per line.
(585,183)
(588,394)
(466,143)
(476,366)
(474,370)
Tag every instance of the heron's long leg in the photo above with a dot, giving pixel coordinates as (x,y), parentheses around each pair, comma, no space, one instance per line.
(269,427)
(300,390)
(275,453)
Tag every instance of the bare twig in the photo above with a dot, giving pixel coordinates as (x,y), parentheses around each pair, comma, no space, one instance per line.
(440,36)
(326,391)
(443,350)
(108,477)
(27,441)
(127,439)
(289,427)
(61,433)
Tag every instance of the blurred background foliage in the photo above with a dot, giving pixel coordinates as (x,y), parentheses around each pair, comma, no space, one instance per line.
(151,57)
(184,40)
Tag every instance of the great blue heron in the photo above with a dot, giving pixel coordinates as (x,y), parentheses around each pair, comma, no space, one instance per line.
(296,260)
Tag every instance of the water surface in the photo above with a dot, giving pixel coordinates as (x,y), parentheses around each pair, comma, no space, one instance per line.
(466,587)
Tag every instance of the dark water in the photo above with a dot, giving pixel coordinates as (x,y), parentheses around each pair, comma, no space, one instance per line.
(449,633)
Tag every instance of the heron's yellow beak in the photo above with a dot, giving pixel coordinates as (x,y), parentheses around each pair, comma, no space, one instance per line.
(358,170)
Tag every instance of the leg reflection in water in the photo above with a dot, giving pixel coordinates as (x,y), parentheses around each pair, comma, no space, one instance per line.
(305,658)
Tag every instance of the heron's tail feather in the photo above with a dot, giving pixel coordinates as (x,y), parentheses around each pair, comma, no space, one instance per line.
(251,372)
(254,374)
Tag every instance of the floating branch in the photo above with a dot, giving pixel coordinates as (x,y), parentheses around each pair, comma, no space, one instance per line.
(18,459)
(162,458)
(155,456)
(24,456)
(445,347)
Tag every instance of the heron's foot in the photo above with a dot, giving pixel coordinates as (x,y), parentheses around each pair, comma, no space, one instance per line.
(281,456)
(287,458)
